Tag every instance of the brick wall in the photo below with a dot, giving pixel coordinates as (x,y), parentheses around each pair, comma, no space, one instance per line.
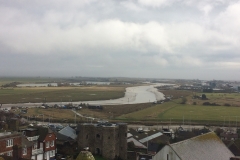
(16,141)
(50,137)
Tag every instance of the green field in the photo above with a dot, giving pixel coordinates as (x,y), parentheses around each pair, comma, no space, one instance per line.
(59,94)
(5,80)
(174,111)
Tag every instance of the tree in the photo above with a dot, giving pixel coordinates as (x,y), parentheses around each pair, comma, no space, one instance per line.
(184,100)
(204,96)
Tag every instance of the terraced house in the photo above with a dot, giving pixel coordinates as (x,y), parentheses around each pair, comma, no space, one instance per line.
(14,144)
(43,142)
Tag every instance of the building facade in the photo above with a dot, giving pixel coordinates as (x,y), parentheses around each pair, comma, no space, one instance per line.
(7,141)
(14,144)
(44,142)
(108,140)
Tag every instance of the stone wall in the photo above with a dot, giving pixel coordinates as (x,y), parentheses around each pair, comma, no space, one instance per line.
(108,141)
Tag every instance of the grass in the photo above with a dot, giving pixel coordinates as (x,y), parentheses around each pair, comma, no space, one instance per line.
(6,80)
(60,94)
(108,112)
(199,113)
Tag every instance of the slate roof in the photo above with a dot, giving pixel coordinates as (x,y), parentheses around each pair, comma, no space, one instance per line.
(153,147)
(233,147)
(129,135)
(229,135)
(61,139)
(69,132)
(207,146)
(139,136)
(136,143)
(150,137)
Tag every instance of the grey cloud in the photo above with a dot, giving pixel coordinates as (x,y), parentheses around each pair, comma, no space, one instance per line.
(165,39)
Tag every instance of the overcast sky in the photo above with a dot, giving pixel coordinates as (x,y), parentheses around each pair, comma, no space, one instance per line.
(185,39)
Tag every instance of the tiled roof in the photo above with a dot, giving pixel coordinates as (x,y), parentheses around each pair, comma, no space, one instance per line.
(204,147)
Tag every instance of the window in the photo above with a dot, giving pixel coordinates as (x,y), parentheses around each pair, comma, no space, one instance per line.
(52,153)
(47,144)
(98,136)
(35,146)
(9,153)
(41,145)
(9,143)
(87,136)
(52,143)
(45,155)
(24,151)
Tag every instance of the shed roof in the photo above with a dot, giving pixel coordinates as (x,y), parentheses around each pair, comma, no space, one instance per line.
(206,146)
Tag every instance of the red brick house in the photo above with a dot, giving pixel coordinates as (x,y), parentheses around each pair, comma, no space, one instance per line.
(43,140)
(48,139)
(14,144)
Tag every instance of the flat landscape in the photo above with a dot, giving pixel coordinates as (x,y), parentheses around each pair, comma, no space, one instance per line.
(108,113)
(226,111)
(217,108)
(59,94)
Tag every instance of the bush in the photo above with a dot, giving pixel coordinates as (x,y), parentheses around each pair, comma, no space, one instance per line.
(206,103)
(227,104)
(194,103)
(204,96)
(184,100)
(210,104)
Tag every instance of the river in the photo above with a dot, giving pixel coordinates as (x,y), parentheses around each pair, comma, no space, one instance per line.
(133,95)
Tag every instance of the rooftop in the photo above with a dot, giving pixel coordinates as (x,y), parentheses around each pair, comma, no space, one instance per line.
(9,134)
(206,146)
